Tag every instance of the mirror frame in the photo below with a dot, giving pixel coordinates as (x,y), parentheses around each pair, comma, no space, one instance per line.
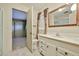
(77,18)
(45,21)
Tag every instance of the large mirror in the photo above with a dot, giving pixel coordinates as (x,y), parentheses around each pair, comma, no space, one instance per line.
(42,22)
(63,16)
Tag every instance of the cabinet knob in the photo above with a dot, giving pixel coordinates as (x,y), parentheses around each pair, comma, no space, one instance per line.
(66,53)
(47,46)
(56,49)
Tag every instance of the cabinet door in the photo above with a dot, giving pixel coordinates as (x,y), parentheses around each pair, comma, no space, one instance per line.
(60,50)
(51,50)
(71,53)
(65,52)
(59,54)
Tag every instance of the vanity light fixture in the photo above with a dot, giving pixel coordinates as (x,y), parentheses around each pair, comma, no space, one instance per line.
(73,7)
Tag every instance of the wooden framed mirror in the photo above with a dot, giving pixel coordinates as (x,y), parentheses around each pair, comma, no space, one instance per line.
(65,15)
(42,20)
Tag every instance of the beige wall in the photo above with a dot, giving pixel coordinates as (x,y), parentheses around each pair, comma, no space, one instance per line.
(1,32)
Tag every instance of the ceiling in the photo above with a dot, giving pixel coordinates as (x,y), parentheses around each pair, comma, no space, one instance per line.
(18,15)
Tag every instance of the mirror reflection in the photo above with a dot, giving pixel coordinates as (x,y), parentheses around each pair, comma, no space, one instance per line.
(64,15)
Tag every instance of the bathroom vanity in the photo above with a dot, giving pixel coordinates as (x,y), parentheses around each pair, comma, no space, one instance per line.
(58,46)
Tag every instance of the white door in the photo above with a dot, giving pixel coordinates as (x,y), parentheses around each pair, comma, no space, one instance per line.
(29,30)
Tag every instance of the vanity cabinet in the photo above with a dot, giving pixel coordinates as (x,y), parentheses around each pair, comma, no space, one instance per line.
(64,52)
(52,47)
(47,49)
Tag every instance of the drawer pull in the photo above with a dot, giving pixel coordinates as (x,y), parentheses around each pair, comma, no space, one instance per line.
(66,53)
(47,46)
(41,53)
(56,49)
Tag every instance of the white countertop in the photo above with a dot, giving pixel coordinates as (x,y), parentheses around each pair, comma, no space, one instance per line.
(63,39)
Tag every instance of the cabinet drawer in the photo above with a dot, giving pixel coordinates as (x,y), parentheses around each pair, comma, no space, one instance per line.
(51,50)
(42,52)
(59,54)
(70,53)
(48,48)
(61,51)
(66,52)
(63,48)
(43,45)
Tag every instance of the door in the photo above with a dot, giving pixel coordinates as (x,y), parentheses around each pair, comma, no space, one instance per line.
(7,25)
(29,29)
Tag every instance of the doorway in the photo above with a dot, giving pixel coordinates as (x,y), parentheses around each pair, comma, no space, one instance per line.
(19,30)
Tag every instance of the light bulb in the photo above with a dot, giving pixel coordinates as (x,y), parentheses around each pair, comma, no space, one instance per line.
(60,10)
(73,7)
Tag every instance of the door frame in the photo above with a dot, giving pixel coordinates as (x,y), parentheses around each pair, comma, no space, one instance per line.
(26,11)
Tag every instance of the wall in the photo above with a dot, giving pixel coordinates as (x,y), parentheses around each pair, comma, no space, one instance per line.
(1,31)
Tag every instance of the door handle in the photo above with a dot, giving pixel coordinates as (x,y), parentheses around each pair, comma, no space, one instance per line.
(66,53)
(56,49)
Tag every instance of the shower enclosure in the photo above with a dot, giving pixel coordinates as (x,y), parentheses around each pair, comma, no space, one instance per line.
(19,29)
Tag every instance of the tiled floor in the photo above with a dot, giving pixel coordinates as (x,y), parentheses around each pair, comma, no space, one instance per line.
(18,42)
(19,48)
(23,52)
